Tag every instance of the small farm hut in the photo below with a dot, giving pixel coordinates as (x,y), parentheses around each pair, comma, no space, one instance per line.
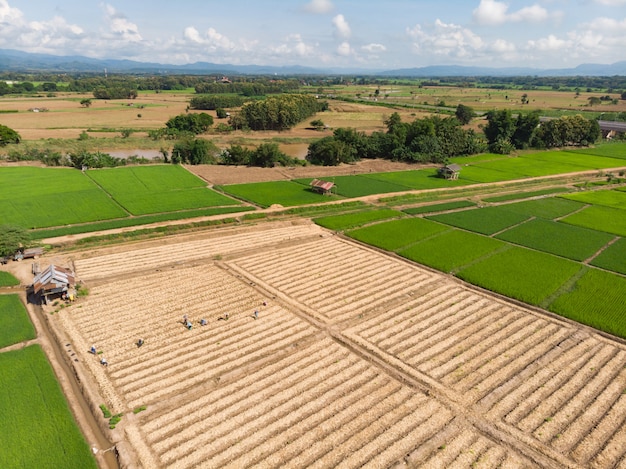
(450,171)
(53,282)
(322,187)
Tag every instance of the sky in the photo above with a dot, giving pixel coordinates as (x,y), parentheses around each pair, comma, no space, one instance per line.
(351,34)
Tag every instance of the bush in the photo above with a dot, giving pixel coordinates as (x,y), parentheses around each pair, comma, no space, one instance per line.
(8,135)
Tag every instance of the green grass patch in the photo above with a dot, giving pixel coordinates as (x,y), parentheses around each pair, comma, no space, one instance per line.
(37,428)
(550,208)
(394,235)
(597,299)
(608,219)
(8,280)
(520,273)
(15,325)
(526,195)
(556,238)
(613,257)
(451,250)
(352,220)
(607,198)
(486,221)
(439,207)
(285,193)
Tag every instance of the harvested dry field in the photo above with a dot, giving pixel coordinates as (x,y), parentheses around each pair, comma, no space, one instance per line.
(357,359)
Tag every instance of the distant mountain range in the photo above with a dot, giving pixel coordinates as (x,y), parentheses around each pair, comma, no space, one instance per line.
(18,61)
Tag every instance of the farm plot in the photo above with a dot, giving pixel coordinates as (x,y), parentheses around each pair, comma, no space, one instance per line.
(549,208)
(595,217)
(520,273)
(41,197)
(15,325)
(613,257)
(351,220)
(285,193)
(607,198)
(580,160)
(8,280)
(451,250)
(358,186)
(393,235)
(610,150)
(417,180)
(539,379)
(287,389)
(158,255)
(351,288)
(36,425)
(597,299)
(525,167)
(556,238)
(486,221)
(153,189)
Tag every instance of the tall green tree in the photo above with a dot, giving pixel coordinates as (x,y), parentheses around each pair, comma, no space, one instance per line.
(12,238)
(464,114)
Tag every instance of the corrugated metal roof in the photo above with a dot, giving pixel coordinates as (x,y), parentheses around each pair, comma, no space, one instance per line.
(53,277)
(324,185)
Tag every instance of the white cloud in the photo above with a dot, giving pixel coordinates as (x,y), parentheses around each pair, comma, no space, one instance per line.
(8,14)
(120,26)
(374,48)
(550,43)
(342,28)
(608,25)
(293,45)
(319,6)
(502,46)
(192,34)
(345,49)
(445,39)
(492,12)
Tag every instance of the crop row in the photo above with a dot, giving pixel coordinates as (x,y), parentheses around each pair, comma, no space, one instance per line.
(318,407)
(156,256)
(356,282)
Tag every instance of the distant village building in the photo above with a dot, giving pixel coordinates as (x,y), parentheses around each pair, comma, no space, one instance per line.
(322,187)
(450,171)
(53,282)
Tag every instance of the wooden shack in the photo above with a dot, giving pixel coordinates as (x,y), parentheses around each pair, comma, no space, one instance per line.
(53,282)
(450,171)
(322,187)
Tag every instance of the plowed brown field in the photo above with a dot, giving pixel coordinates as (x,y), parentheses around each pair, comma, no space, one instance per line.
(357,359)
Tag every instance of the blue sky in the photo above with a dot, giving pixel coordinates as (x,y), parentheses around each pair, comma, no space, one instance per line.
(376,35)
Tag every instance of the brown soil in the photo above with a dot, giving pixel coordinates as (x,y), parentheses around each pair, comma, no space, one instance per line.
(218,175)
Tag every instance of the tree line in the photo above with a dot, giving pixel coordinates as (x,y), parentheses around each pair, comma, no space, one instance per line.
(280,112)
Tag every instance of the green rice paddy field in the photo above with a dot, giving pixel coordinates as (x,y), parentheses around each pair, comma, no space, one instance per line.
(15,325)
(37,429)
(34,197)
